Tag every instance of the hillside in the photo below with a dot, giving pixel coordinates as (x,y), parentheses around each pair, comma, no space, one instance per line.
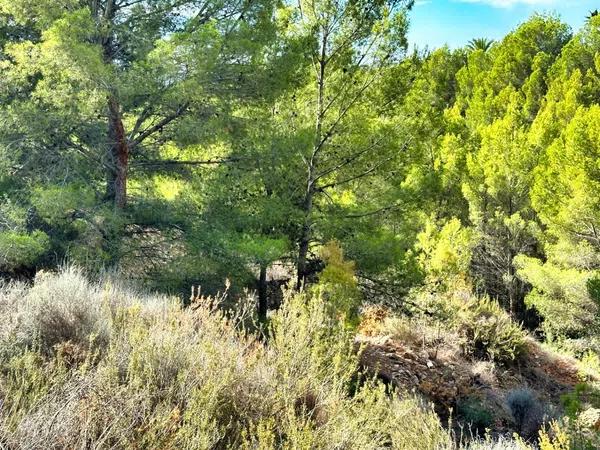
(440,372)
(386,246)
(99,365)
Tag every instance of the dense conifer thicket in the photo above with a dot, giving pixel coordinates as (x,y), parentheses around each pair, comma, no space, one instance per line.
(185,143)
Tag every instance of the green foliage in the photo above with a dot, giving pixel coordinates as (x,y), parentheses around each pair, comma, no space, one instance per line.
(58,204)
(579,429)
(567,181)
(593,288)
(475,414)
(489,333)
(425,167)
(21,249)
(480,44)
(584,395)
(562,296)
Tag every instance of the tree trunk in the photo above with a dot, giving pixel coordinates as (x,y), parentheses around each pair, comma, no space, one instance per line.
(305,236)
(303,256)
(313,164)
(263,298)
(116,183)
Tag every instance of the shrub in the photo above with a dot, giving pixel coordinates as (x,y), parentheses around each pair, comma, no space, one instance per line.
(584,394)
(498,443)
(338,284)
(59,309)
(526,411)
(169,377)
(475,414)
(489,333)
(557,438)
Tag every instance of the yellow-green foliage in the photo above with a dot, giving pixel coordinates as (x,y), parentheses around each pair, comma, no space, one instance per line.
(562,296)
(337,281)
(337,269)
(21,249)
(589,365)
(487,331)
(167,377)
(445,250)
(557,438)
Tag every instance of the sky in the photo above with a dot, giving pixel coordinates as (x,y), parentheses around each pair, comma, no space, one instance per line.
(435,23)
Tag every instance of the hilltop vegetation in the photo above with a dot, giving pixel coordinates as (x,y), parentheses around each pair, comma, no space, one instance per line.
(442,204)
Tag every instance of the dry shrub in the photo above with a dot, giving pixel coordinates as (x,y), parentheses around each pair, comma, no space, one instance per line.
(97,365)
(161,376)
(500,443)
(372,318)
(58,309)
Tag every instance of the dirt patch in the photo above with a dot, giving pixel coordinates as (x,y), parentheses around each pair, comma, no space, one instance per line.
(446,377)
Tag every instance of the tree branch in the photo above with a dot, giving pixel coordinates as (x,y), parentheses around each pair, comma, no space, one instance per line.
(176,162)
(153,129)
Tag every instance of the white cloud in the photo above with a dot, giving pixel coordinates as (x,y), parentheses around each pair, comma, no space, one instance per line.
(422,2)
(510,3)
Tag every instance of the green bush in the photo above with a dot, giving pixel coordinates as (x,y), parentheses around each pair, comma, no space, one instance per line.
(488,332)
(21,249)
(474,414)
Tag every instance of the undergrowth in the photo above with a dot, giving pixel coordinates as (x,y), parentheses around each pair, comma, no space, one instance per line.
(100,365)
(96,365)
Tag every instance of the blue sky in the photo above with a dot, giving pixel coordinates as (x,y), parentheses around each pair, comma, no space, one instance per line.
(454,22)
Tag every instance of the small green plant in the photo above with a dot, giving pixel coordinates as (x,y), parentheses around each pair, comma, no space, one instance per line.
(584,394)
(472,411)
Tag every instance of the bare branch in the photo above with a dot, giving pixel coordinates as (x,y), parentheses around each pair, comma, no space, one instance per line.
(153,129)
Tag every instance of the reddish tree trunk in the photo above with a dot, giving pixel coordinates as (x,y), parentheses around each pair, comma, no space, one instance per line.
(119,156)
